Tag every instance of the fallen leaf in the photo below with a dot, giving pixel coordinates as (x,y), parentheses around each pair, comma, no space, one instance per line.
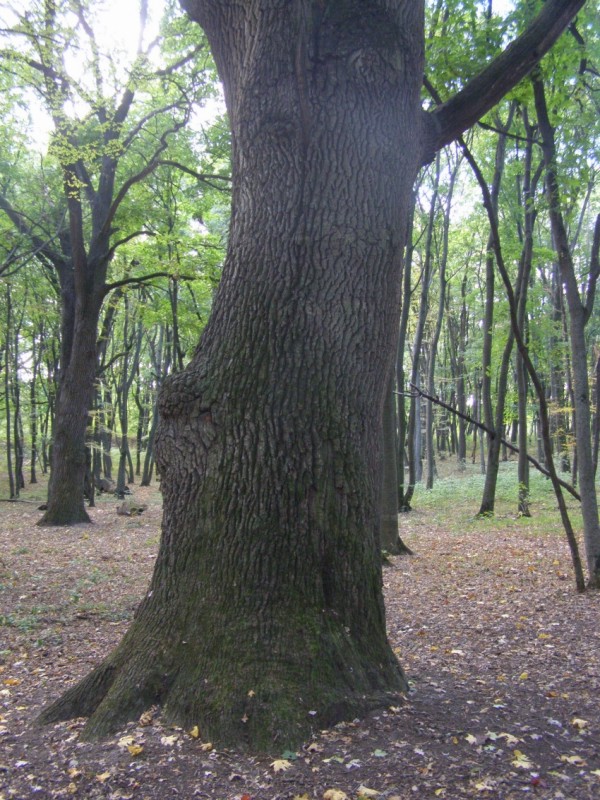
(206,747)
(280,765)
(135,749)
(11,681)
(485,786)
(168,741)
(579,723)
(510,739)
(576,760)
(334,794)
(103,777)
(125,741)
(146,719)
(195,732)
(521,761)
(379,753)
(523,676)
(471,739)
(364,791)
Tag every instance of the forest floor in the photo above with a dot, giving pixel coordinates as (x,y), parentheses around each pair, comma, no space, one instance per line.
(503,658)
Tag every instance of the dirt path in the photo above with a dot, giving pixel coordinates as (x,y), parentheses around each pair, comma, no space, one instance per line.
(503,656)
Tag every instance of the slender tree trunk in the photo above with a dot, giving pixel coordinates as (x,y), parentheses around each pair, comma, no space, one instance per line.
(390,538)
(7,410)
(443,260)
(579,313)
(405,493)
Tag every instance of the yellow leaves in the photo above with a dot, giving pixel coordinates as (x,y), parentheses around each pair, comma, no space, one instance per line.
(334,794)
(103,776)
(168,741)
(510,739)
(195,732)
(544,635)
(125,741)
(206,747)
(11,681)
(146,718)
(301,797)
(281,764)
(251,693)
(486,785)
(523,676)
(580,724)
(129,743)
(575,761)
(521,761)
(364,791)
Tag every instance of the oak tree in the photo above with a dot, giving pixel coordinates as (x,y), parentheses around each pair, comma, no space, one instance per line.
(265,618)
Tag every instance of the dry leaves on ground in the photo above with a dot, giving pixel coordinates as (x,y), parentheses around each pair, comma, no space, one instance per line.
(501,653)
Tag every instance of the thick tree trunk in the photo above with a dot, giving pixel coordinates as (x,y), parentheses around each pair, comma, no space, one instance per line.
(74,400)
(265,615)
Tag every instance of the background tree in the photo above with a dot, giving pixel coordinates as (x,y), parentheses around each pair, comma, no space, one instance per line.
(106,139)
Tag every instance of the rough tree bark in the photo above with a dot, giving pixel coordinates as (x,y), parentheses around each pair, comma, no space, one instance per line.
(265,616)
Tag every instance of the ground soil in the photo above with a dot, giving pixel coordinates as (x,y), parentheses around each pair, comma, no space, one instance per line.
(502,655)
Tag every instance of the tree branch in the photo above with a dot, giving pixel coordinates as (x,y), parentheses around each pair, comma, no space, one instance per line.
(203,177)
(492,435)
(487,88)
(109,287)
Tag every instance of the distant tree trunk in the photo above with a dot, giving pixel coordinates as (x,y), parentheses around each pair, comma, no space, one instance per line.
(7,408)
(597,418)
(414,421)
(494,421)
(74,401)
(18,436)
(33,412)
(530,181)
(579,313)
(443,260)
(405,493)
(390,538)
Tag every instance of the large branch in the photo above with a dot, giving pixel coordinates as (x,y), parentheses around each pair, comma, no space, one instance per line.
(483,91)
